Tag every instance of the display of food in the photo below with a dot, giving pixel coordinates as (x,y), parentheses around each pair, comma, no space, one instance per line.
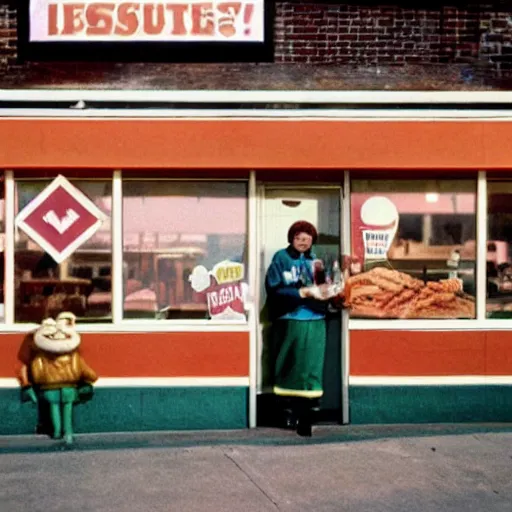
(386,293)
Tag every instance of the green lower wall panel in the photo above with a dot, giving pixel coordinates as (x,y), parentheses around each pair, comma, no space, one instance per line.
(138,409)
(430,404)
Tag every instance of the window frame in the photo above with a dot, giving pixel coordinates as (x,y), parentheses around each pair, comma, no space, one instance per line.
(480,322)
(120,290)
(492,178)
(118,323)
(48,176)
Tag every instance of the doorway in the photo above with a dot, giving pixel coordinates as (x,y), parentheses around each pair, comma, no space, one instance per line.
(279,207)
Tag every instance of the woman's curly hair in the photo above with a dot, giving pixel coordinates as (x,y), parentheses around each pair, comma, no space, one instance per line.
(302,226)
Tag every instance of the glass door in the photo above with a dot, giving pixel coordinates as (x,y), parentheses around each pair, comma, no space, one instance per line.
(280,207)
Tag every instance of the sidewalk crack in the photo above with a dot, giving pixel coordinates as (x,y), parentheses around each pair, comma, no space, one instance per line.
(269,498)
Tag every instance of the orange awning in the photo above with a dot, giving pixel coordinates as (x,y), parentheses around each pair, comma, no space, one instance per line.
(254,143)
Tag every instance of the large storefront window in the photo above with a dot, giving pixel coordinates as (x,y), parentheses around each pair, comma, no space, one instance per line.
(499,249)
(171,228)
(82,282)
(413,248)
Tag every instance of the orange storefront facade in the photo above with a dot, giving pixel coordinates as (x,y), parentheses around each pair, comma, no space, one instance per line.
(194,373)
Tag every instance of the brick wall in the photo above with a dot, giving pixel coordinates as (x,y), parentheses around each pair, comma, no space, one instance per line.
(378,35)
(7,36)
(355,35)
(496,40)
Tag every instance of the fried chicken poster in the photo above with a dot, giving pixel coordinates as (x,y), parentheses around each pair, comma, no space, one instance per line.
(386,293)
(382,292)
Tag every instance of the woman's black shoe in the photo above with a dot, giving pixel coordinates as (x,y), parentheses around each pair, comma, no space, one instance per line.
(304,428)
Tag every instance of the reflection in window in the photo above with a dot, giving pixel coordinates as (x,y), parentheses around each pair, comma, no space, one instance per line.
(416,242)
(499,249)
(81,283)
(169,228)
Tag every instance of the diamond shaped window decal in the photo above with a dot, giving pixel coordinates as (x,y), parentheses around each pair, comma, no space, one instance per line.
(60,219)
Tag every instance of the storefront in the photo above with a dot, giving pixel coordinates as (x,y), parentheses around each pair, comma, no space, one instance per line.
(181,189)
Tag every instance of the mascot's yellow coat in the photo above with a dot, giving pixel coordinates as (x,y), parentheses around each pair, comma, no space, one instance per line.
(50,372)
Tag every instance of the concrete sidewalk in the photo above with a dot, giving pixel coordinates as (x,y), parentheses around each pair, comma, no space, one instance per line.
(341,468)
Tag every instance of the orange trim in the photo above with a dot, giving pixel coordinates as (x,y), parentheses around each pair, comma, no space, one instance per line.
(419,353)
(216,354)
(499,352)
(258,144)
(153,354)
(423,353)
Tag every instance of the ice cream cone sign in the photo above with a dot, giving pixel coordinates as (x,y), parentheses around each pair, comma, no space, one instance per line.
(378,224)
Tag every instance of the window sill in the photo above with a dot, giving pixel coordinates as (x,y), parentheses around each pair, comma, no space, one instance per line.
(144,326)
(430,325)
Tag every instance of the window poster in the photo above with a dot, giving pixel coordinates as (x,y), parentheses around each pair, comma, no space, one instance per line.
(402,278)
(224,289)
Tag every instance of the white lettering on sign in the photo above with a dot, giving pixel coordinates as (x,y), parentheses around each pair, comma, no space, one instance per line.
(62,224)
(145,20)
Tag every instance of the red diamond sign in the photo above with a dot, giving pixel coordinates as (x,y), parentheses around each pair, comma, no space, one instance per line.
(60,219)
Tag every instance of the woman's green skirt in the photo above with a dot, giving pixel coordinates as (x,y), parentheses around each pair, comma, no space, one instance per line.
(300,349)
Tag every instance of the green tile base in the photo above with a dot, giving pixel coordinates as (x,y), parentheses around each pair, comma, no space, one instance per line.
(139,409)
(430,404)
(189,408)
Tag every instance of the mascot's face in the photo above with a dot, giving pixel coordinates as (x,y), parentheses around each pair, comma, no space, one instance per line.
(57,336)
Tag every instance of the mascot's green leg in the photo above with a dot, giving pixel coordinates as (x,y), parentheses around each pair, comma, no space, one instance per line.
(69,396)
(56,420)
(67,418)
(52,396)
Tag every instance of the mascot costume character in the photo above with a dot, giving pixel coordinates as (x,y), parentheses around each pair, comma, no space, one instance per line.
(56,373)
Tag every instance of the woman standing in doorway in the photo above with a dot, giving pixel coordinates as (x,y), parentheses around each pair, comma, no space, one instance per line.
(298,324)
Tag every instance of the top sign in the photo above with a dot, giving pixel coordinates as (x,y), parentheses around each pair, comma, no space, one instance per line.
(146,20)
